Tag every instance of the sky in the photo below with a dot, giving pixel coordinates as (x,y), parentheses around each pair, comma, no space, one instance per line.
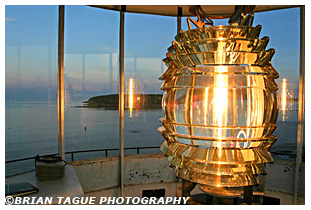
(91,47)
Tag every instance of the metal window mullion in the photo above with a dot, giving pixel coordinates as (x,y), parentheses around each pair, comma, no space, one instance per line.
(60,82)
(179,15)
(110,73)
(83,74)
(121,100)
(301,108)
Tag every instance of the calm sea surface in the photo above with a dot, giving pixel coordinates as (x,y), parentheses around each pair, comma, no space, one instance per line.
(31,129)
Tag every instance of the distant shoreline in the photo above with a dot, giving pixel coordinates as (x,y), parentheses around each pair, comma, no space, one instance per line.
(111,102)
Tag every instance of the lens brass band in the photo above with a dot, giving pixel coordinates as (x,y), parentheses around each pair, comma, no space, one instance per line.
(219,32)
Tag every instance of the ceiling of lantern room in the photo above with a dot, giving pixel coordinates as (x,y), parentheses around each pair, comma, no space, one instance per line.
(214,11)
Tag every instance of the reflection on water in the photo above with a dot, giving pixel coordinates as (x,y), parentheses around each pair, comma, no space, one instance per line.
(284,94)
(287,100)
(131,96)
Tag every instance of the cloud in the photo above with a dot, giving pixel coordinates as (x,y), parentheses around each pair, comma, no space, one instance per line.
(9,19)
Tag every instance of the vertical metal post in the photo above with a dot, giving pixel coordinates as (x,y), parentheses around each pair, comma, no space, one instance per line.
(248,195)
(179,15)
(110,73)
(83,74)
(121,99)
(60,82)
(301,108)
(50,50)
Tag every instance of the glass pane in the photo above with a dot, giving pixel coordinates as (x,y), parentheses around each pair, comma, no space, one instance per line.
(30,84)
(91,71)
(147,38)
(283,32)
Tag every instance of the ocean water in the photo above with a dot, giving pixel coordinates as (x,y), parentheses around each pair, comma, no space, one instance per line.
(31,129)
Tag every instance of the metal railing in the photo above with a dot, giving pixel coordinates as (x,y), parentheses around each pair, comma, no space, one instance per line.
(86,151)
(116,149)
(72,154)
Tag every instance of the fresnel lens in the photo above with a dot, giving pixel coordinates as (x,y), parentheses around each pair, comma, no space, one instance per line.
(220,104)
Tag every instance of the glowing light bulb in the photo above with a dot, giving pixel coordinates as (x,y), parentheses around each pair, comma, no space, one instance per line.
(220,100)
